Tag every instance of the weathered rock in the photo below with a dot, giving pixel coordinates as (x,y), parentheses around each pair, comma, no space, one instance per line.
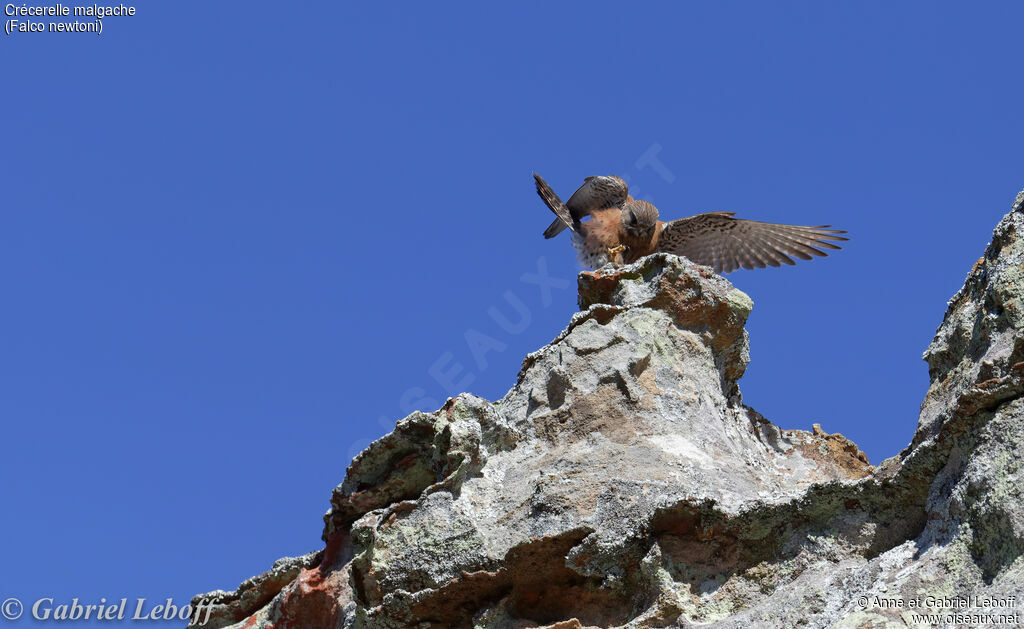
(622,482)
(254,593)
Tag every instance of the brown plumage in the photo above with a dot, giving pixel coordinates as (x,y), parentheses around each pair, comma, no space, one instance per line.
(628,231)
(596,193)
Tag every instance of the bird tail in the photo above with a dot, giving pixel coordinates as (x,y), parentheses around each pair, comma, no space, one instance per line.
(555,204)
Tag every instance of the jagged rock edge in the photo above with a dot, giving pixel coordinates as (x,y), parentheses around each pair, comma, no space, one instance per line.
(908,474)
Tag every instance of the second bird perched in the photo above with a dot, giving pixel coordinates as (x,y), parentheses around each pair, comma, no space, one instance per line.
(623,229)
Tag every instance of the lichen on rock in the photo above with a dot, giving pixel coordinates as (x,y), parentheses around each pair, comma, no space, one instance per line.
(622,482)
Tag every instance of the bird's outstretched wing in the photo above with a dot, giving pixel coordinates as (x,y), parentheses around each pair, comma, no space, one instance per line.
(718,240)
(596,193)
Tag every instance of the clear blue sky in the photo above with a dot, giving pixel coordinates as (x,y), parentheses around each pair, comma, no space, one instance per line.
(236,237)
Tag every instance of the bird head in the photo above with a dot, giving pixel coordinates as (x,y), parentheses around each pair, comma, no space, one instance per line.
(639,218)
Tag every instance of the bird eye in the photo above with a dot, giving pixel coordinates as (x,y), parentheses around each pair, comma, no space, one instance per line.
(632,218)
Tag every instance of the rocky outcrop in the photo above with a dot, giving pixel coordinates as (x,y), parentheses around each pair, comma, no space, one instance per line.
(622,482)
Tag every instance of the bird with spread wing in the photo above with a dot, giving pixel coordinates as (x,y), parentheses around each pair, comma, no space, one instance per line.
(622,229)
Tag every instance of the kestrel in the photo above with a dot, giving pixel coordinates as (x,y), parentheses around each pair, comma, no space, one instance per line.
(623,230)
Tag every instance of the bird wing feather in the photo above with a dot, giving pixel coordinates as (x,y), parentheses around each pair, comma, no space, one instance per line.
(718,240)
(596,193)
(565,218)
